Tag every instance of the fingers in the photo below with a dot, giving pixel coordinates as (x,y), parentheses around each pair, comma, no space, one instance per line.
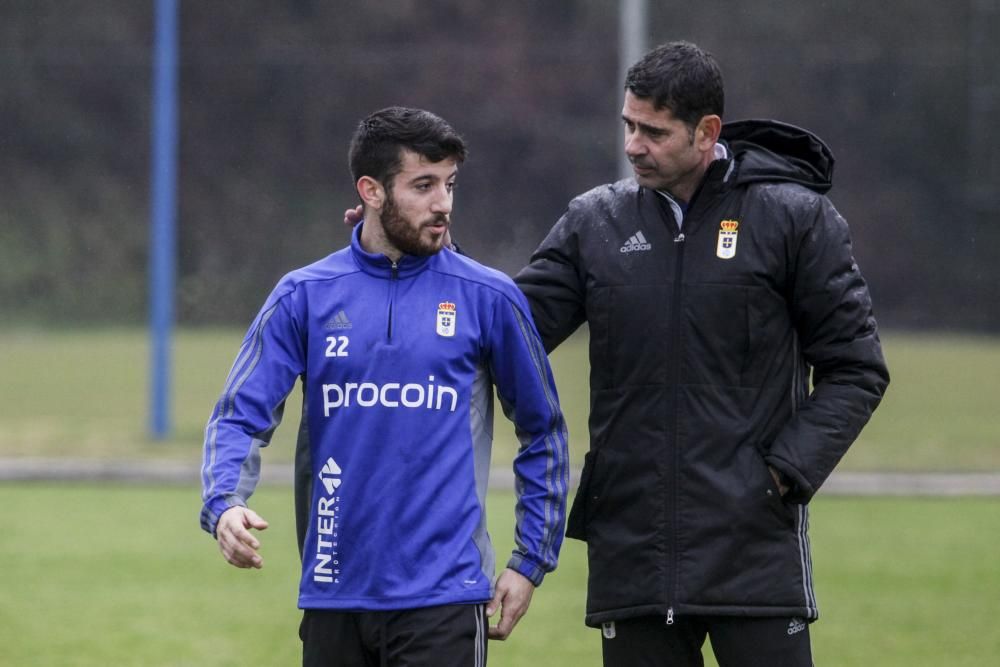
(494,604)
(253,520)
(782,487)
(237,544)
(501,630)
(510,613)
(352,216)
(512,597)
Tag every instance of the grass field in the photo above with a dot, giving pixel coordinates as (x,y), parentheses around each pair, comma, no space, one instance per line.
(121,575)
(83,393)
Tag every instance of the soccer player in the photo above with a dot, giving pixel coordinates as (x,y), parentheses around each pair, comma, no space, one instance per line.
(398,343)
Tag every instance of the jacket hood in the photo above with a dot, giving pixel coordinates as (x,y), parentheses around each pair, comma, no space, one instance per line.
(768,150)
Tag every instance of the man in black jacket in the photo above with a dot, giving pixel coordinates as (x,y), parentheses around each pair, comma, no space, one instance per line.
(734,359)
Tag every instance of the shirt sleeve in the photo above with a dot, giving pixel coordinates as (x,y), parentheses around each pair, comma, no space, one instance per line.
(527,394)
(250,408)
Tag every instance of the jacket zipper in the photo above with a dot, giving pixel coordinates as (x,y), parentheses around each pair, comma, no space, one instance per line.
(393,279)
(675,371)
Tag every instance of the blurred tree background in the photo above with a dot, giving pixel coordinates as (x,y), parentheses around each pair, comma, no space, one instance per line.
(906,93)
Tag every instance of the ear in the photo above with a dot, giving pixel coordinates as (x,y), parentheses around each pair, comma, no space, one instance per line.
(707,133)
(371,192)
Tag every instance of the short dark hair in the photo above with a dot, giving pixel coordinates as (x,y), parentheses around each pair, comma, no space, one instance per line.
(681,77)
(375,146)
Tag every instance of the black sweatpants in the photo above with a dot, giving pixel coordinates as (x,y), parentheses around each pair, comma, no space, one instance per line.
(736,641)
(445,635)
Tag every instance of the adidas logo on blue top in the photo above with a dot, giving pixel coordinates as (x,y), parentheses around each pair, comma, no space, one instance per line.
(339,321)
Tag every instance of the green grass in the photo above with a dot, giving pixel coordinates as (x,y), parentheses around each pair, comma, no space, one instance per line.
(84,393)
(121,575)
(99,575)
(906,581)
(939,413)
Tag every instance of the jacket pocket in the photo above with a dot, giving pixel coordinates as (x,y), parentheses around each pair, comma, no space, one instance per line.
(770,492)
(576,524)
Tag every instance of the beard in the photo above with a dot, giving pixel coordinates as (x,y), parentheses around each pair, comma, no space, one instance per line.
(406,236)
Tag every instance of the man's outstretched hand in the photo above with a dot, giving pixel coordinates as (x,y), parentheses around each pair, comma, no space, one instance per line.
(236,542)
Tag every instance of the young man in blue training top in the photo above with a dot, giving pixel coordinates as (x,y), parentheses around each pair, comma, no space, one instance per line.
(398,343)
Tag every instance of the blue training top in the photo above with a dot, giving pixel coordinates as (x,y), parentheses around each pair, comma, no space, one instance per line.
(397,362)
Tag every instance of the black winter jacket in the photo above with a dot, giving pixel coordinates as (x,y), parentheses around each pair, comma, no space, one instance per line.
(703,342)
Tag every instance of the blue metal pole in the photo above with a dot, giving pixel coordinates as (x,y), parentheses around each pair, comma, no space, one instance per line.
(162,241)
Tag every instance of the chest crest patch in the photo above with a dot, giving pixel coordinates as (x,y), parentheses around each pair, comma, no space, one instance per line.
(728,231)
(446,319)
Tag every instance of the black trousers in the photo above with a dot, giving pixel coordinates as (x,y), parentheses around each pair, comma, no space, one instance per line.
(445,635)
(736,641)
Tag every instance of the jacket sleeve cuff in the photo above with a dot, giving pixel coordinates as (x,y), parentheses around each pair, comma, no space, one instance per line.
(214,508)
(525,567)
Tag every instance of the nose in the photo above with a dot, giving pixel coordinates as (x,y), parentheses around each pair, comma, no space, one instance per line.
(443,201)
(634,145)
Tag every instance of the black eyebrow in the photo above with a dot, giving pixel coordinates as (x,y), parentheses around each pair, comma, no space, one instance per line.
(431,177)
(648,129)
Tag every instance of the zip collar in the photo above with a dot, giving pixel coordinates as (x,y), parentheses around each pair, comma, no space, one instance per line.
(380,266)
(720,168)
